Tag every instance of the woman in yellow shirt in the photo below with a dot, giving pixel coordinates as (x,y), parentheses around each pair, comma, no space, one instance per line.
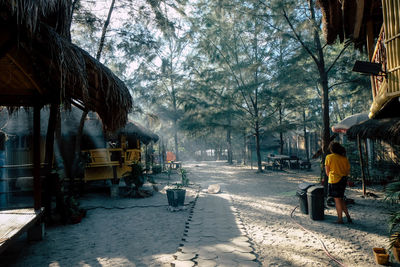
(337,167)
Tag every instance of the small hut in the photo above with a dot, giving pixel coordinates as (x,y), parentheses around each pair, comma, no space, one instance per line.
(110,156)
(40,66)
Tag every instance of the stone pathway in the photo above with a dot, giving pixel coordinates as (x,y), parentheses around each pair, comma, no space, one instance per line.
(214,236)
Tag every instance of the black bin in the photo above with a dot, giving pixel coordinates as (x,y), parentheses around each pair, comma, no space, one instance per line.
(301,193)
(315,196)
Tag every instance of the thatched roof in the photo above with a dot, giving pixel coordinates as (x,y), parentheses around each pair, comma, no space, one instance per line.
(137,130)
(20,123)
(347,19)
(383,129)
(39,64)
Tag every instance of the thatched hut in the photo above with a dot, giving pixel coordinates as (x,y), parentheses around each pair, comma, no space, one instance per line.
(39,66)
(110,156)
(372,25)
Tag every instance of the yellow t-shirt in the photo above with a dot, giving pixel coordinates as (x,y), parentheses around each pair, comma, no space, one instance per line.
(339,166)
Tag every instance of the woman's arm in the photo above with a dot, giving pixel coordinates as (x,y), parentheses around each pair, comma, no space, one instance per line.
(327,170)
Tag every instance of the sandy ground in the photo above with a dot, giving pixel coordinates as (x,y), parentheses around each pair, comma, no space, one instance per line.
(143,232)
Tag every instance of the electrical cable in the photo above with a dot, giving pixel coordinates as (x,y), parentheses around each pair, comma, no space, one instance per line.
(130,207)
(322,243)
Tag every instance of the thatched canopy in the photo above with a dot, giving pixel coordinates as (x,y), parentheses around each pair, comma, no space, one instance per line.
(39,64)
(348,19)
(133,129)
(383,129)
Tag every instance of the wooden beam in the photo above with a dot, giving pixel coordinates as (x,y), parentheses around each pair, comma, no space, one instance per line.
(370,39)
(37,187)
(21,100)
(359,18)
(23,65)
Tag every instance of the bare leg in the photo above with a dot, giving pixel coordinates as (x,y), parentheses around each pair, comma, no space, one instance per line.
(339,208)
(344,207)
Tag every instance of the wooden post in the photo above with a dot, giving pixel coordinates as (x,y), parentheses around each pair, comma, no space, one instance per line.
(361,164)
(37,187)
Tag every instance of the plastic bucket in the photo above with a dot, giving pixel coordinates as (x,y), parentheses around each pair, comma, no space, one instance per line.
(176,197)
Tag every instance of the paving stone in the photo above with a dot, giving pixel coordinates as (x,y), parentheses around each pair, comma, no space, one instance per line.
(249,264)
(189,249)
(239,239)
(196,222)
(207,256)
(184,256)
(177,263)
(226,263)
(208,234)
(206,263)
(243,256)
(243,249)
(191,239)
(225,248)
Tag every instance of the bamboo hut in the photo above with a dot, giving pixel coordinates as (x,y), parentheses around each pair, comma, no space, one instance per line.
(372,26)
(40,66)
(110,156)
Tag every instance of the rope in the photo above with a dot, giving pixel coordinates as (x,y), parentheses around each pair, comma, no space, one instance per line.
(322,243)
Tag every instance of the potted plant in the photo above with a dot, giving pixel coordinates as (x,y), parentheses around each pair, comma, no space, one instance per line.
(134,179)
(393,196)
(176,195)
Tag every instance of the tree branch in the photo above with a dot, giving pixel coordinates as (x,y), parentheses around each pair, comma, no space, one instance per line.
(338,56)
(299,39)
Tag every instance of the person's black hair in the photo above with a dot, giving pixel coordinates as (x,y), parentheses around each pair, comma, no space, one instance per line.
(337,148)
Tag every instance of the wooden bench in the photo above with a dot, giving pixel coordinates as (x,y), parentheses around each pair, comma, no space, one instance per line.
(175,164)
(15,222)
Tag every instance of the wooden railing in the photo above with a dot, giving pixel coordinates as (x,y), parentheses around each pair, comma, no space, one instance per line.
(379,56)
(387,52)
(391,13)
(110,156)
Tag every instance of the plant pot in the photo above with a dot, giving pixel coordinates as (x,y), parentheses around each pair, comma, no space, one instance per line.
(381,256)
(176,197)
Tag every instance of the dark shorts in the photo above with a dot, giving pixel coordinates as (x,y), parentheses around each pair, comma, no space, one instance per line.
(337,190)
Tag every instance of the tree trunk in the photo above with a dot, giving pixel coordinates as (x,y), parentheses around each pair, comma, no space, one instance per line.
(104,30)
(78,138)
(176,139)
(77,151)
(259,166)
(305,136)
(244,148)
(229,144)
(280,131)
(361,165)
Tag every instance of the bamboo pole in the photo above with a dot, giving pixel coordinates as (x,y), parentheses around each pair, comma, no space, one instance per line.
(392,47)
(387,34)
(395,45)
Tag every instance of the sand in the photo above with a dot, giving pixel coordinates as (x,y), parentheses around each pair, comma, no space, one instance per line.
(143,232)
